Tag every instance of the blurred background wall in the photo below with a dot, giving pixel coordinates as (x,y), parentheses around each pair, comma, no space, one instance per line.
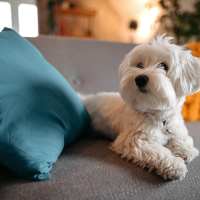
(114,20)
(131,21)
(122,20)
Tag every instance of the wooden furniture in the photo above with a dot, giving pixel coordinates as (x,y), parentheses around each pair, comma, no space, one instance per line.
(76,22)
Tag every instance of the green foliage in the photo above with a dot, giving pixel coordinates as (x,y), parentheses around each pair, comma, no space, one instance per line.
(184,25)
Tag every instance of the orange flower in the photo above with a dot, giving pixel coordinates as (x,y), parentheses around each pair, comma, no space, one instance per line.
(195,47)
(191,108)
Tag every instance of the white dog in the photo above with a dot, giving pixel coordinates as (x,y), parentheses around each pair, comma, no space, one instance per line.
(154,80)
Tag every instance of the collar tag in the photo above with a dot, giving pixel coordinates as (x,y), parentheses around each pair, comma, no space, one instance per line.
(164,122)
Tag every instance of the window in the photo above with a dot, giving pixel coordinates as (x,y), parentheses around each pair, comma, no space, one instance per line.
(5,15)
(28,20)
(21,15)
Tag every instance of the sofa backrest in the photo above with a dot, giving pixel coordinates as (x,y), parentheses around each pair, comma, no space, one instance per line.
(90,66)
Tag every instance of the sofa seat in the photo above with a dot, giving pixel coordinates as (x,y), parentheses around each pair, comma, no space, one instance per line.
(89,170)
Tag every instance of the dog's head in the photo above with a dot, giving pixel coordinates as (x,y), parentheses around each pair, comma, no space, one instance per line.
(157,75)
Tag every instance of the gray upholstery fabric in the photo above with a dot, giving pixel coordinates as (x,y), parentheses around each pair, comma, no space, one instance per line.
(90,66)
(88,170)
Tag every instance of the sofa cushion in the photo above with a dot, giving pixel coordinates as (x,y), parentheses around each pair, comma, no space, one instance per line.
(39,111)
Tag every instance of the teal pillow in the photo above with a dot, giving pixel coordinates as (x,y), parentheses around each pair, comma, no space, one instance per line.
(39,111)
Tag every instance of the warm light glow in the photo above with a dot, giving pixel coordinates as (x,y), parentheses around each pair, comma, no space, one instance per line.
(147,21)
(5,15)
(28,20)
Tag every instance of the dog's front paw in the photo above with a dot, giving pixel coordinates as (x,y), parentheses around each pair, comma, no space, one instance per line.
(190,155)
(176,170)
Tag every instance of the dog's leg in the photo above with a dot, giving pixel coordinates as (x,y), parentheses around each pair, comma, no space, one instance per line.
(149,154)
(183,147)
(180,143)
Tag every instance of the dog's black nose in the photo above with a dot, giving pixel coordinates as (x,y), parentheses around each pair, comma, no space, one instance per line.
(141,81)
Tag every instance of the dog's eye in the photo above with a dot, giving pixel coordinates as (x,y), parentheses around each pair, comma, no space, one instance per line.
(163,66)
(140,65)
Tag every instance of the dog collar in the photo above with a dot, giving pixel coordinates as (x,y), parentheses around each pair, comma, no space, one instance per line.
(164,122)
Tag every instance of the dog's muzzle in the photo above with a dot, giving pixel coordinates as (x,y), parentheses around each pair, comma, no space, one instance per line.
(141,81)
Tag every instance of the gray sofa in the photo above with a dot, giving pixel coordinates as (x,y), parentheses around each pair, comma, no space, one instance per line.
(88,169)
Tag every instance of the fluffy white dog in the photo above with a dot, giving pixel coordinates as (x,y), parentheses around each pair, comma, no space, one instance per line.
(146,114)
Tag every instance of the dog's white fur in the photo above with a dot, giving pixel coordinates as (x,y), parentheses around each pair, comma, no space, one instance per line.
(150,128)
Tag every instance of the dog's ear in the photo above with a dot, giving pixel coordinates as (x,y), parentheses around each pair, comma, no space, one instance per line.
(189,74)
(185,73)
